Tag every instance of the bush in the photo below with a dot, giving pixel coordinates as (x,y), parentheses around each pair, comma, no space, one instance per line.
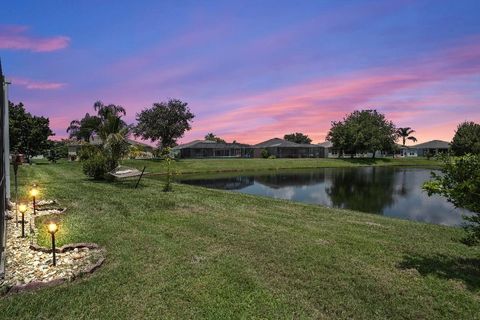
(87,151)
(272,157)
(265,154)
(96,166)
(460,184)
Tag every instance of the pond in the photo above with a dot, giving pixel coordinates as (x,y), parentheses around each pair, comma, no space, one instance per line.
(389,191)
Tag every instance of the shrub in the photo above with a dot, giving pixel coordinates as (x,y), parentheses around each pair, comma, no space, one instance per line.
(265,154)
(87,151)
(272,157)
(460,184)
(95,166)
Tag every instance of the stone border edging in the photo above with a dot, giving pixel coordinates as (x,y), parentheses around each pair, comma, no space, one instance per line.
(41,284)
(67,247)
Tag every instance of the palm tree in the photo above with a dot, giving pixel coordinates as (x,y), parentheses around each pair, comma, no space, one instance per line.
(104,111)
(405,133)
(108,120)
(109,126)
(211,137)
(113,131)
(85,128)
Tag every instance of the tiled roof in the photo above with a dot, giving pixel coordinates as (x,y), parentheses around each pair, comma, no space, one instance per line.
(326,144)
(434,144)
(207,144)
(277,142)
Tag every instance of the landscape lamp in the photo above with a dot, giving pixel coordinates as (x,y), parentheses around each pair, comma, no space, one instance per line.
(23,208)
(34,193)
(52,228)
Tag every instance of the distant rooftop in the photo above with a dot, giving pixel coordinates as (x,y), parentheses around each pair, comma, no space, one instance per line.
(433,144)
(208,144)
(326,144)
(277,142)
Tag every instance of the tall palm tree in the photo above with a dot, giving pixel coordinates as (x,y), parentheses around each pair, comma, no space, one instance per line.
(405,133)
(104,111)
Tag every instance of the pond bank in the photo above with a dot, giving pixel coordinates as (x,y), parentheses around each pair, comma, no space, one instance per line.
(189,166)
(203,253)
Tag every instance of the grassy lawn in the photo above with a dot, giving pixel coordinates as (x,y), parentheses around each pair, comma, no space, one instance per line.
(223,165)
(200,253)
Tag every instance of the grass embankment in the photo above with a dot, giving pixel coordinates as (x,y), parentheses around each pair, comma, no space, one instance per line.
(233,164)
(199,253)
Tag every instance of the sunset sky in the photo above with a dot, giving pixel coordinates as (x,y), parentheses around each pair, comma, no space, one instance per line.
(250,70)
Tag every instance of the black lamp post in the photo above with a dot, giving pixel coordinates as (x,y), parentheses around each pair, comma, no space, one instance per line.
(34,193)
(52,228)
(23,208)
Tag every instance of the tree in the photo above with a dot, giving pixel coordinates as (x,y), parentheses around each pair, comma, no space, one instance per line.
(342,138)
(460,184)
(406,133)
(211,137)
(56,150)
(112,130)
(164,122)
(466,139)
(363,131)
(28,134)
(297,137)
(84,128)
(108,120)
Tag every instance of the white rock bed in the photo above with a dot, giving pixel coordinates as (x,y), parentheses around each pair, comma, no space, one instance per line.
(25,265)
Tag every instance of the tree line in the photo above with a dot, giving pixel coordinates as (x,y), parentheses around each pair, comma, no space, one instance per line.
(361,131)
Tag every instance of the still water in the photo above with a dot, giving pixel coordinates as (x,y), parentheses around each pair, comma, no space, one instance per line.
(389,191)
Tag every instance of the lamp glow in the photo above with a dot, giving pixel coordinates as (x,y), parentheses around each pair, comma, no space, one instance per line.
(52,228)
(23,208)
(34,192)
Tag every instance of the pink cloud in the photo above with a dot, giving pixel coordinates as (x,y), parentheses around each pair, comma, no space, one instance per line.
(311,106)
(17,38)
(37,85)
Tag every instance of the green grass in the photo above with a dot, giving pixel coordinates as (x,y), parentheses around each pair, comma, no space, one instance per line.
(225,165)
(200,253)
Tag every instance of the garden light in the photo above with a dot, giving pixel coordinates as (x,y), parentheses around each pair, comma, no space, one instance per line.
(23,208)
(34,193)
(52,228)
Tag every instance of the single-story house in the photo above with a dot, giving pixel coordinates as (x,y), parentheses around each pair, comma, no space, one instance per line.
(407,151)
(327,150)
(330,152)
(281,148)
(420,150)
(432,147)
(213,149)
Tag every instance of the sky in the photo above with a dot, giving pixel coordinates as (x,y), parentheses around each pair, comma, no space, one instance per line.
(249,70)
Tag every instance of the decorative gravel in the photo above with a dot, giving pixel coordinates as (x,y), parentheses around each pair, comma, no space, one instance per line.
(29,265)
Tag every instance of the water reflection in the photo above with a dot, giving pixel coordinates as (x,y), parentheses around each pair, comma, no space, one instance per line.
(368,189)
(390,191)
